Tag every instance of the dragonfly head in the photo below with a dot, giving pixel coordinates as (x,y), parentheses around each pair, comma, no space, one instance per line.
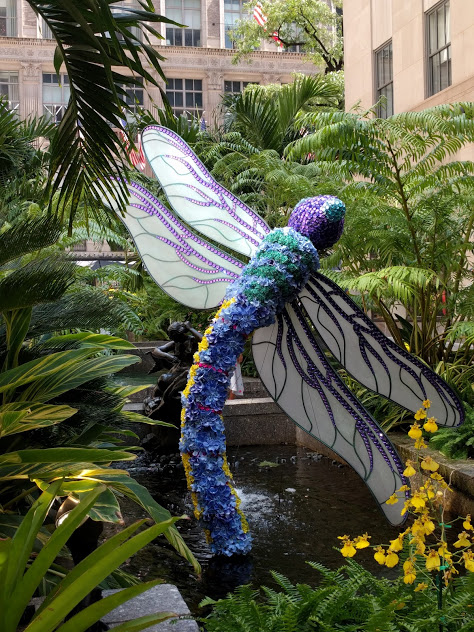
(320,219)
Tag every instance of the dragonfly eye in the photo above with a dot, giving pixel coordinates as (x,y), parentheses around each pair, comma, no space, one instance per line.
(320,219)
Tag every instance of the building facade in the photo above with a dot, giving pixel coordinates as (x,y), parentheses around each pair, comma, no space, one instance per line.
(414,53)
(198,59)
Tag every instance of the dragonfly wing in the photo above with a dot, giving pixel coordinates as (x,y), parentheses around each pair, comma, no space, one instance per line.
(196,197)
(186,267)
(297,374)
(374,360)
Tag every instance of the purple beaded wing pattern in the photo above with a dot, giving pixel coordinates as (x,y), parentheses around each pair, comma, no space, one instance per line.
(298,375)
(197,198)
(185,266)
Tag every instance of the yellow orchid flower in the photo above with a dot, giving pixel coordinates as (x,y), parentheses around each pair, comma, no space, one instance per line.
(415,431)
(430,425)
(421,586)
(426,403)
(420,444)
(348,549)
(417,501)
(391,560)
(432,561)
(420,414)
(392,500)
(362,541)
(468,561)
(379,555)
(429,464)
(409,578)
(467,523)
(462,540)
(396,544)
(409,470)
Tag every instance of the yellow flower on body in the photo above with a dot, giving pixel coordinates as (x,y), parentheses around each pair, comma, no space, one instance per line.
(392,500)
(467,523)
(417,501)
(379,555)
(429,464)
(362,541)
(426,403)
(430,425)
(432,561)
(463,540)
(421,586)
(409,470)
(415,431)
(391,560)
(420,414)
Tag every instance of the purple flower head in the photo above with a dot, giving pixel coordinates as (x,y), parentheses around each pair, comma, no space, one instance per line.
(320,219)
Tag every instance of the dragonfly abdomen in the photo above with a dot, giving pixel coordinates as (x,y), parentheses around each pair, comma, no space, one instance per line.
(274,276)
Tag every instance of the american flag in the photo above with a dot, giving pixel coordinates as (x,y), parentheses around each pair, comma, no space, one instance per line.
(136,156)
(261,19)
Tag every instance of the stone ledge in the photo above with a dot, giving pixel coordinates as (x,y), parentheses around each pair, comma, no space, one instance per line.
(161,598)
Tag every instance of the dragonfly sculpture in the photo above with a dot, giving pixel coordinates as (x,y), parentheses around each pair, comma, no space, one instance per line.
(303,327)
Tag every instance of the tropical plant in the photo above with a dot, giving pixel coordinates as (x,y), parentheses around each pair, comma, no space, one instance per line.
(456,443)
(21,572)
(265,115)
(409,224)
(349,599)
(47,380)
(100,47)
(315,27)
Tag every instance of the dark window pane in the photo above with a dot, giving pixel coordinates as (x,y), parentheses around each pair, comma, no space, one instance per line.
(188,37)
(198,84)
(178,84)
(170,96)
(189,100)
(227,86)
(198,99)
(178,99)
(197,37)
(169,37)
(188,84)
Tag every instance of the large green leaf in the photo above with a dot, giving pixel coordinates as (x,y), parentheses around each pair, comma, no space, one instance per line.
(73,374)
(23,416)
(101,52)
(89,339)
(27,236)
(90,572)
(96,611)
(106,508)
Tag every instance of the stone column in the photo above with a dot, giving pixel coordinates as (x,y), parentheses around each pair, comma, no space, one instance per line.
(215,88)
(30,89)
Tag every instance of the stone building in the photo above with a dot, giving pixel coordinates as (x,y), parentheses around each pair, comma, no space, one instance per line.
(416,53)
(198,59)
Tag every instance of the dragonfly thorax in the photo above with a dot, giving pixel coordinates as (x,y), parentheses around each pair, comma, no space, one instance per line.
(320,219)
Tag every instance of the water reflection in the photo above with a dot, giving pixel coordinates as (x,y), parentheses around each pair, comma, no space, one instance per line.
(295,510)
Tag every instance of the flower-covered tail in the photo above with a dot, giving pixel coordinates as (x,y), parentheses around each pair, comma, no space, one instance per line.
(274,276)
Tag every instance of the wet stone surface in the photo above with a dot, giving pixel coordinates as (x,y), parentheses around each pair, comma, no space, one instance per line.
(295,509)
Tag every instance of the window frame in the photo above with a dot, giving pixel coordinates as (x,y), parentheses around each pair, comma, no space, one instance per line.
(56,108)
(242,85)
(383,111)
(190,37)
(447,46)
(10,19)
(228,28)
(13,104)
(178,110)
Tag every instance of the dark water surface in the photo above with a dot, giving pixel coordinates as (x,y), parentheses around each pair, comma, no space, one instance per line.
(295,510)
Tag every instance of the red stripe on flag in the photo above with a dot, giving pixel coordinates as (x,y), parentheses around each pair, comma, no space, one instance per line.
(258,14)
(137,157)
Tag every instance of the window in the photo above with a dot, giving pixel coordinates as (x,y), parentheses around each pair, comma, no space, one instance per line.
(134,99)
(293,33)
(236,86)
(439,49)
(185,95)
(187,12)
(44,30)
(9,89)
(384,80)
(232,13)
(55,96)
(8,23)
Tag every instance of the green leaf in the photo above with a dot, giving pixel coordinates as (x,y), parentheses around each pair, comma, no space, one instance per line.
(89,339)
(91,572)
(106,508)
(143,623)
(96,611)
(65,455)
(23,416)
(16,324)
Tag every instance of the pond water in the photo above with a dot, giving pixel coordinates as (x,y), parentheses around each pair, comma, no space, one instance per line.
(295,510)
